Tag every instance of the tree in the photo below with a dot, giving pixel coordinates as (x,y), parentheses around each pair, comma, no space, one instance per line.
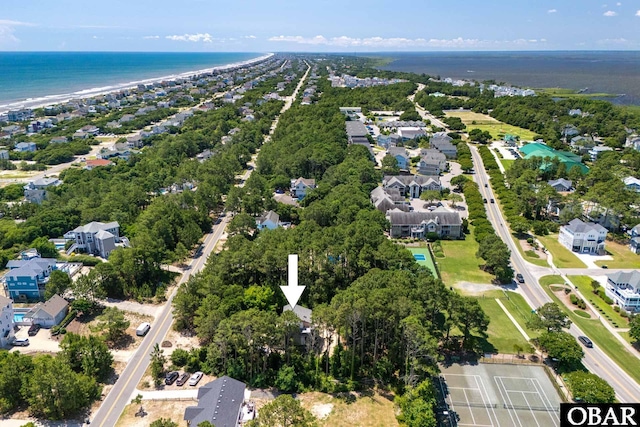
(55,392)
(634,326)
(595,285)
(430,195)
(479,136)
(112,324)
(158,360)
(520,225)
(455,198)
(497,257)
(58,283)
(15,370)
(459,181)
(284,411)
(562,347)
(242,223)
(589,388)
(550,317)
(88,355)
(390,165)
(417,406)
(164,422)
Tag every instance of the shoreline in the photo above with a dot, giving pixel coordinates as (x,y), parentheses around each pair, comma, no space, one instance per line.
(48,100)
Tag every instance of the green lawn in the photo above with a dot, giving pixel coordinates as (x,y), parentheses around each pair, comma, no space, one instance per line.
(428,262)
(584,285)
(460,263)
(562,257)
(603,339)
(496,128)
(551,280)
(557,92)
(532,260)
(503,335)
(622,256)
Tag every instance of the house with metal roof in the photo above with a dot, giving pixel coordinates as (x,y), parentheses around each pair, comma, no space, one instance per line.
(583,237)
(536,149)
(441,221)
(220,402)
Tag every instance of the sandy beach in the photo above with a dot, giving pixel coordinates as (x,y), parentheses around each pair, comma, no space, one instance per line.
(88,93)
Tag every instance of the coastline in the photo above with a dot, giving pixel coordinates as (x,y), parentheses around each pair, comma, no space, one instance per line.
(91,92)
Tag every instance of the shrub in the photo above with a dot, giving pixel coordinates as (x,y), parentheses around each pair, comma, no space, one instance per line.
(574,299)
(616,308)
(567,291)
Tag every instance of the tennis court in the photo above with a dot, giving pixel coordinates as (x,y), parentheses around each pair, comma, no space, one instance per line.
(423,257)
(492,395)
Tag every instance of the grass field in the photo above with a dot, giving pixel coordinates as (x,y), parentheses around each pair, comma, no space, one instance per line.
(562,257)
(570,93)
(545,281)
(460,263)
(496,128)
(584,285)
(532,260)
(622,256)
(603,339)
(506,163)
(428,262)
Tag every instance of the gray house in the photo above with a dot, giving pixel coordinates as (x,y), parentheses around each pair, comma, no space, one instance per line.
(96,238)
(36,191)
(442,142)
(220,402)
(432,162)
(49,313)
(411,186)
(443,222)
(561,185)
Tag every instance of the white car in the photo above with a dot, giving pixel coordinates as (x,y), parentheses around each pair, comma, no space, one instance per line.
(195,378)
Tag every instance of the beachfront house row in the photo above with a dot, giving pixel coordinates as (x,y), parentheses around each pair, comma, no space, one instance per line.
(49,313)
(96,238)
(441,222)
(6,322)
(583,237)
(624,289)
(411,186)
(36,191)
(632,183)
(26,279)
(300,187)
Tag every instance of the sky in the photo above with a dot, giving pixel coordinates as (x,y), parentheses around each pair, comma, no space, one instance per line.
(320,26)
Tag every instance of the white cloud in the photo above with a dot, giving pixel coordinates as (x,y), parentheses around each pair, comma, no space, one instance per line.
(97,37)
(400,42)
(610,13)
(552,11)
(151,37)
(200,37)
(250,37)
(638,13)
(618,4)
(7,29)
(619,41)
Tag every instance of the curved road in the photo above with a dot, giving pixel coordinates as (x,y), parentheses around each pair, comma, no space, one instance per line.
(627,390)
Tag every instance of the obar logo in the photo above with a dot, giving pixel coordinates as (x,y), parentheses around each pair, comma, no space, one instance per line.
(613,414)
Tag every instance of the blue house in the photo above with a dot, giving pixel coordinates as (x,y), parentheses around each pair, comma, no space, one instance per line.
(26,278)
(401,155)
(25,146)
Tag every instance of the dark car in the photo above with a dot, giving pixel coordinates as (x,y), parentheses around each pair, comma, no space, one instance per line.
(520,278)
(493,201)
(605,266)
(484,200)
(183,379)
(33,329)
(171,377)
(586,341)
(486,186)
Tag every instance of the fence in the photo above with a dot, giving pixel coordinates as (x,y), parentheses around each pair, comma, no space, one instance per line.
(511,359)
(435,263)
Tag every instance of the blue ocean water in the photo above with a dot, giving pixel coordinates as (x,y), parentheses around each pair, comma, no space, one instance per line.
(616,72)
(25,75)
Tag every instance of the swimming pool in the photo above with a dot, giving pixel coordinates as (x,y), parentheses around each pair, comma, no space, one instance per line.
(17,317)
(419,257)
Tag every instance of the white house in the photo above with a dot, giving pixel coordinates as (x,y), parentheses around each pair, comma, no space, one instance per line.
(23,147)
(300,187)
(583,237)
(632,184)
(270,220)
(96,238)
(49,313)
(6,321)
(624,289)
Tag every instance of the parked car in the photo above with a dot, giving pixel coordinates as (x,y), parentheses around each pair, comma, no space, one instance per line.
(183,379)
(195,378)
(33,329)
(143,329)
(605,266)
(171,377)
(586,341)
(21,342)
(520,278)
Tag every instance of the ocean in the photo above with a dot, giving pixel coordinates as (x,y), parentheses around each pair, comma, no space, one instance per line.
(35,76)
(616,72)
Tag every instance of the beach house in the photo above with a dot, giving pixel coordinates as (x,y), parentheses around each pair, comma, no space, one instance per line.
(401,155)
(36,191)
(96,238)
(583,237)
(300,187)
(624,289)
(49,313)
(220,402)
(7,333)
(26,279)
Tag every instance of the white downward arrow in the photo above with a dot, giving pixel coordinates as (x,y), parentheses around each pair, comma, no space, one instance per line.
(292,291)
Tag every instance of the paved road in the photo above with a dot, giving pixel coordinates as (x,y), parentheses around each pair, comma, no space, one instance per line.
(627,390)
(121,393)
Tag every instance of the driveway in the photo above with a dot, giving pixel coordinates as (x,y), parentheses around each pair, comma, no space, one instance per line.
(42,342)
(590,260)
